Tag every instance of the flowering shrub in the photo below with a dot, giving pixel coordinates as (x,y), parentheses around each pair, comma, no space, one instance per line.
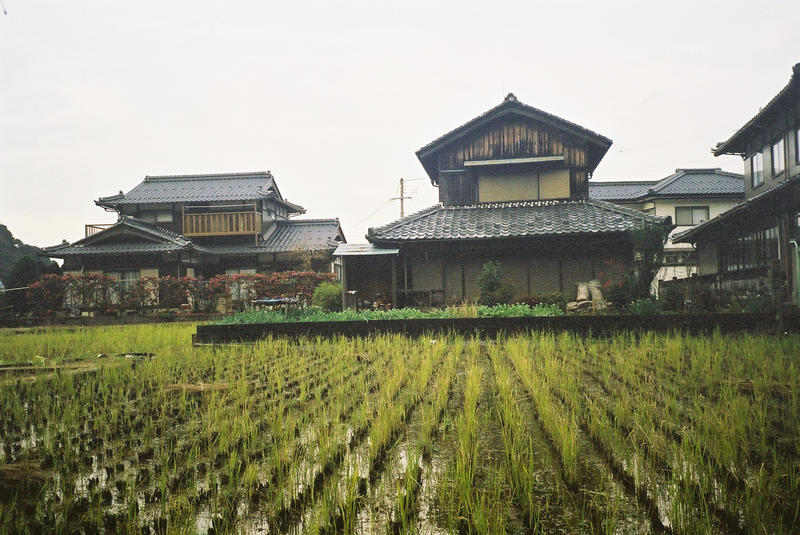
(96,292)
(245,287)
(615,280)
(46,295)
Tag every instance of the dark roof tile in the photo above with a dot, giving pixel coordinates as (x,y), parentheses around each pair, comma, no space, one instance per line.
(512,220)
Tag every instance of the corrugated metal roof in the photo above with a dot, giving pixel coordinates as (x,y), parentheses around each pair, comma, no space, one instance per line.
(682,183)
(513,220)
(363,249)
(200,188)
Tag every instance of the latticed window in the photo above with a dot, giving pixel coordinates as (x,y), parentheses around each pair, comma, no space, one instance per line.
(752,251)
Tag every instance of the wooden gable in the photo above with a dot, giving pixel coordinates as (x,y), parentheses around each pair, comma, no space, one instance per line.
(513,138)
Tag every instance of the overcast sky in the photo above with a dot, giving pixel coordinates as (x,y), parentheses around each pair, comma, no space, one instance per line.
(335,97)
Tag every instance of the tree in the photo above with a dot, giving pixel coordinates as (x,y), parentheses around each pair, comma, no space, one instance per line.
(25,271)
(648,255)
(494,290)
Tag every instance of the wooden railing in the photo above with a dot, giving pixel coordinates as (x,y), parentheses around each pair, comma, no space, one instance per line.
(221,223)
(95,228)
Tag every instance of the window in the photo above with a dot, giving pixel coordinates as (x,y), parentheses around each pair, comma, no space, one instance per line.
(690,215)
(164,216)
(777,157)
(797,144)
(757,169)
(126,280)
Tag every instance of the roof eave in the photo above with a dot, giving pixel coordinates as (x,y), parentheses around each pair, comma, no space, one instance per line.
(737,143)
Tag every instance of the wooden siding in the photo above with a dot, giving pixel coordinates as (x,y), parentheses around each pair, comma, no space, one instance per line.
(221,223)
(515,138)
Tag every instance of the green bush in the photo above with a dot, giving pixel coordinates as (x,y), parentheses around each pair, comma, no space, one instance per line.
(673,296)
(328,297)
(555,298)
(645,307)
(494,290)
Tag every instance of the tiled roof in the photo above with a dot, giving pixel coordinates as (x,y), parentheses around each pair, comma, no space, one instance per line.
(200,188)
(682,183)
(513,220)
(292,235)
(765,201)
(154,240)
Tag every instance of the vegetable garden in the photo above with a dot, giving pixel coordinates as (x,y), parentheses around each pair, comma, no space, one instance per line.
(130,430)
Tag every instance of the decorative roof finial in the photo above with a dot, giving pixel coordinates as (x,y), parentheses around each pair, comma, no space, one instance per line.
(510,98)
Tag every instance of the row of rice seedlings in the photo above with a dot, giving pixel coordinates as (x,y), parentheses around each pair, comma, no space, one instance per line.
(560,426)
(240,396)
(308,475)
(714,436)
(628,458)
(607,501)
(392,502)
(517,446)
(365,467)
(472,494)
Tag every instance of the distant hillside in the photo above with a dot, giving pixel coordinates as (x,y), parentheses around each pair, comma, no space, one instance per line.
(12,249)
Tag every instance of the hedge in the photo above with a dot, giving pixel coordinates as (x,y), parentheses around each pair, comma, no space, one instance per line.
(100,293)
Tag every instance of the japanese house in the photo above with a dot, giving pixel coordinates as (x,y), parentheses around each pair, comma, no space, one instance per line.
(202,225)
(689,196)
(754,245)
(513,187)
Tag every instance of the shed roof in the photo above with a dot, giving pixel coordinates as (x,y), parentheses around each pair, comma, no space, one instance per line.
(513,220)
(201,188)
(713,182)
(363,249)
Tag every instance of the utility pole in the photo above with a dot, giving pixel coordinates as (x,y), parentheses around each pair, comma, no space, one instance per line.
(402,198)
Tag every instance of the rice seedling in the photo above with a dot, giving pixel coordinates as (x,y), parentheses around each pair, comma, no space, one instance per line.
(130,429)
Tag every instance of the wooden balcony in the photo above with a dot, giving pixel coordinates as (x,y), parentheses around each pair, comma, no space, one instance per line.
(95,228)
(221,224)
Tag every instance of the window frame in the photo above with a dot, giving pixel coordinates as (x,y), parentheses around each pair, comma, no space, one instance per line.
(692,209)
(797,145)
(782,150)
(757,156)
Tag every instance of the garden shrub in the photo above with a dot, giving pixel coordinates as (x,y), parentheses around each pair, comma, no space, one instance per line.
(328,297)
(645,307)
(673,296)
(555,298)
(494,290)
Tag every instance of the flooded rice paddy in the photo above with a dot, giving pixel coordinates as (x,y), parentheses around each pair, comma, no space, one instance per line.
(131,430)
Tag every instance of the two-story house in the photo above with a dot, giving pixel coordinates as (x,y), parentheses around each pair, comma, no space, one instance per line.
(202,225)
(689,196)
(513,187)
(755,243)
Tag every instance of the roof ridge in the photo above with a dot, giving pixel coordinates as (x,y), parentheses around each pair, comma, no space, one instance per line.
(310,220)
(207,176)
(627,211)
(510,102)
(623,182)
(666,181)
(406,219)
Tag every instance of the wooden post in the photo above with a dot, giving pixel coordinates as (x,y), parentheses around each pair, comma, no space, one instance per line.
(344,283)
(394,281)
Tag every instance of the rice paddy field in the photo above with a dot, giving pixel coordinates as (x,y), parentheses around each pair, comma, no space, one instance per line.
(132,430)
